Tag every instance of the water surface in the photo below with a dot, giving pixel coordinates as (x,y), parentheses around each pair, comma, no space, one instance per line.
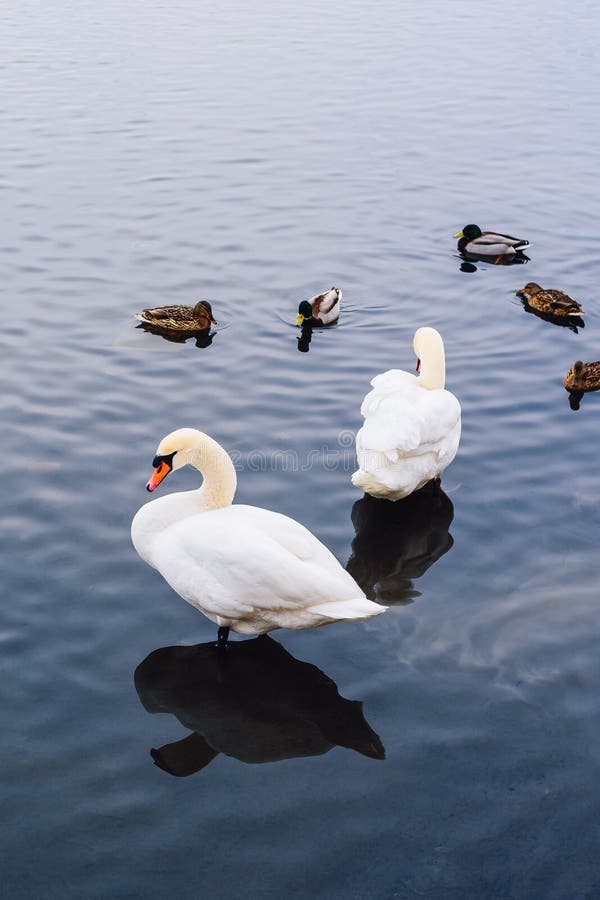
(256,155)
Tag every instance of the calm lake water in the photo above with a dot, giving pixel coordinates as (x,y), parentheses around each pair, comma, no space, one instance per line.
(255,154)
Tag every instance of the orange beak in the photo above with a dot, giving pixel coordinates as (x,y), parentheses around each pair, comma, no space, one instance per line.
(160,473)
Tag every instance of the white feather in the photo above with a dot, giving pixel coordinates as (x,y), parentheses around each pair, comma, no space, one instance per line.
(411,432)
(242,566)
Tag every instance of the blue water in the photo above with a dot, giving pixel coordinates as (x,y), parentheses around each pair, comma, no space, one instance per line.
(255,155)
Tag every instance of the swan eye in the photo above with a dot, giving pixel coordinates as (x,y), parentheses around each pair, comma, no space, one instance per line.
(164,457)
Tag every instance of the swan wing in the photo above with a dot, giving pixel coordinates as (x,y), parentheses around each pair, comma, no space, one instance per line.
(407,440)
(247,565)
(402,420)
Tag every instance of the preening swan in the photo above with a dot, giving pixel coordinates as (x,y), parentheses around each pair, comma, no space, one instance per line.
(244,567)
(412,425)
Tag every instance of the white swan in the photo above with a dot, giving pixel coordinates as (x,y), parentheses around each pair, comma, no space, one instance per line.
(412,425)
(245,568)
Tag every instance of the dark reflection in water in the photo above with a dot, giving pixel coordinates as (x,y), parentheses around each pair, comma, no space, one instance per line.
(305,337)
(203,338)
(397,542)
(575,398)
(469,260)
(572,322)
(256,703)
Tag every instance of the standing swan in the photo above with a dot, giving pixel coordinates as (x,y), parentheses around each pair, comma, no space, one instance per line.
(244,567)
(412,425)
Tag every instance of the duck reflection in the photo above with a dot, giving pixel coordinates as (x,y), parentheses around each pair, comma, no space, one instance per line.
(256,703)
(203,338)
(305,336)
(397,542)
(571,322)
(575,398)
(469,260)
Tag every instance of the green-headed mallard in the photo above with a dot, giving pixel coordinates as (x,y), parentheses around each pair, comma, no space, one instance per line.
(179,318)
(551,302)
(324,309)
(583,377)
(488,243)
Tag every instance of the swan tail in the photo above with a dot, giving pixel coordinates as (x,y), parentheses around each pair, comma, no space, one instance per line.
(360,608)
(365,481)
(376,488)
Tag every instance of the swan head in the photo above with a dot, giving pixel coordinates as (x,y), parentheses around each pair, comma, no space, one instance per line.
(175,451)
(304,312)
(431,364)
(188,446)
(470,232)
(171,454)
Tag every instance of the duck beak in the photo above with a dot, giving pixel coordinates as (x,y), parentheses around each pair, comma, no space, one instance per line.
(160,473)
(300,319)
(213,321)
(418,366)
(459,235)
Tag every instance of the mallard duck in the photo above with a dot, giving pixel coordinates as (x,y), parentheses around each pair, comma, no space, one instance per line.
(179,318)
(551,302)
(488,243)
(583,377)
(324,309)
(244,567)
(412,425)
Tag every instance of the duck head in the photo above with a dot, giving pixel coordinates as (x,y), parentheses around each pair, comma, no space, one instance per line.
(203,310)
(577,371)
(304,312)
(470,232)
(530,289)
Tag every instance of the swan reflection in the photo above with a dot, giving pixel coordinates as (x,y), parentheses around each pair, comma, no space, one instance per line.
(397,542)
(203,338)
(256,703)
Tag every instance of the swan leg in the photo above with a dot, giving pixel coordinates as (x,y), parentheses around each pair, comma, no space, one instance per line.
(222,635)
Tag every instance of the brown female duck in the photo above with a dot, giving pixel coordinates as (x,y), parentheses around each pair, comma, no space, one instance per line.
(551,302)
(179,318)
(583,377)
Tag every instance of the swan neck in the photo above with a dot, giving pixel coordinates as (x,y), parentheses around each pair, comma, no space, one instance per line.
(218,472)
(433,369)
